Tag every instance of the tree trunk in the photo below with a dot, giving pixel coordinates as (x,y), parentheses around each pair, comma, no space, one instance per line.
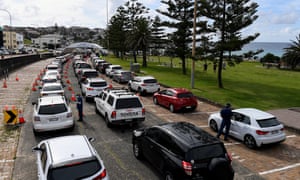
(144,57)
(183,65)
(134,56)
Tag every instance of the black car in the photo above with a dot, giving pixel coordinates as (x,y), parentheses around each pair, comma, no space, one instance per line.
(181,150)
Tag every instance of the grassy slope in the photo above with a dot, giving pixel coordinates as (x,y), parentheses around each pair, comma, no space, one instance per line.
(245,85)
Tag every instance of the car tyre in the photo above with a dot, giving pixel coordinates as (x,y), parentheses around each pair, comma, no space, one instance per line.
(108,124)
(169,176)
(137,150)
(171,108)
(250,142)
(213,125)
(220,169)
(155,101)
(35,132)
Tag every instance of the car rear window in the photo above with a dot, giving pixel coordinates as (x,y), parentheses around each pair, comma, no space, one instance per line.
(117,67)
(76,170)
(49,80)
(150,81)
(128,103)
(185,95)
(91,74)
(52,68)
(52,88)
(206,152)
(98,84)
(52,109)
(83,65)
(268,122)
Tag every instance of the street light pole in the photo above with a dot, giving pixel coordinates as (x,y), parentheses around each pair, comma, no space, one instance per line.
(194,46)
(10,36)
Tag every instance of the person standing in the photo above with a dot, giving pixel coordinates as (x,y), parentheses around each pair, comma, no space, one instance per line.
(79,104)
(226,114)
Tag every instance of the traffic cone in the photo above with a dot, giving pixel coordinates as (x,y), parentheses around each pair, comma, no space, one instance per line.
(70,88)
(73,98)
(21,117)
(33,87)
(17,78)
(4,84)
(6,108)
(68,81)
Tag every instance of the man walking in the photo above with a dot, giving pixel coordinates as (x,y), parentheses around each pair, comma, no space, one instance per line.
(226,114)
(79,104)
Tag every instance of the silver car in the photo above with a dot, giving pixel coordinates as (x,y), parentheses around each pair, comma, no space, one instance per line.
(69,157)
(254,127)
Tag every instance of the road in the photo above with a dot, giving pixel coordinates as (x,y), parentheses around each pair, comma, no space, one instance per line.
(280,161)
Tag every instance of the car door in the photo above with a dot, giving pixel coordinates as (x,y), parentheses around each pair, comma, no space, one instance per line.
(42,166)
(135,83)
(239,125)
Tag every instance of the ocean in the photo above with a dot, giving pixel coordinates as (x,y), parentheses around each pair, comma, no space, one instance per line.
(275,48)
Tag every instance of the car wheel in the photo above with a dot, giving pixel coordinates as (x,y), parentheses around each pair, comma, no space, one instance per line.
(220,169)
(108,124)
(213,125)
(35,132)
(168,176)
(171,108)
(155,101)
(129,87)
(137,150)
(249,141)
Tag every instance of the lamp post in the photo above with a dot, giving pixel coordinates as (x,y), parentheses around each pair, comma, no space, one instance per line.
(10,36)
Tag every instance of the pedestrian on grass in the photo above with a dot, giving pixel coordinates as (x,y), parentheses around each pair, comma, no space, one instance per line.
(79,104)
(226,114)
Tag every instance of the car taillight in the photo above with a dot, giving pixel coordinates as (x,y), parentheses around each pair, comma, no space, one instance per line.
(113,114)
(259,132)
(187,167)
(143,111)
(37,118)
(229,156)
(69,115)
(282,129)
(143,84)
(90,89)
(101,176)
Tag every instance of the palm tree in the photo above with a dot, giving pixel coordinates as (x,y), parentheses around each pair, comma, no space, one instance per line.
(292,54)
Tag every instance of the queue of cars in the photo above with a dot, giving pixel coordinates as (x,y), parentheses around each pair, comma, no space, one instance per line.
(178,150)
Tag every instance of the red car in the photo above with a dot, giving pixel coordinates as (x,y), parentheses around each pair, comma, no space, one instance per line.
(176,99)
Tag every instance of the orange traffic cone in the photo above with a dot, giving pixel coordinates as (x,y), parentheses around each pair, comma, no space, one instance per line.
(73,98)
(70,88)
(17,78)
(68,81)
(5,108)
(21,117)
(33,87)
(4,84)
(110,86)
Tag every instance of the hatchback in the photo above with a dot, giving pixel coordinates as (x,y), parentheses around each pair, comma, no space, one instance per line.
(176,99)
(52,113)
(122,76)
(181,150)
(52,89)
(69,157)
(92,87)
(254,127)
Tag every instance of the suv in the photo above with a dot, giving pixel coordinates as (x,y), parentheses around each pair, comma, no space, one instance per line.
(87,73)
(119,106)
(110,70)
(181,150)
(144,84)
(91,87)
(69,157)
(52,113)
(122,76)
(52,89)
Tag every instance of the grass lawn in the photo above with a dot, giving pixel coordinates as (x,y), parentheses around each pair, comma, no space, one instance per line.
(247,84)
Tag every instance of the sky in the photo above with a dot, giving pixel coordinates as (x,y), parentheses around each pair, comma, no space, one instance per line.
(279,20)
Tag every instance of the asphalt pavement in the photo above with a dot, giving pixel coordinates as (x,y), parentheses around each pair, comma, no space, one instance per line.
(14,93)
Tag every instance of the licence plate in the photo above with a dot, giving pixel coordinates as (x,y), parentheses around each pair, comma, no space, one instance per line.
(188,107)
(274,132)
(53,119)
(128,120)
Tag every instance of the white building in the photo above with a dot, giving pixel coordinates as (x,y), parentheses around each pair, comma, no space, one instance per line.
(13,40)
(51,41)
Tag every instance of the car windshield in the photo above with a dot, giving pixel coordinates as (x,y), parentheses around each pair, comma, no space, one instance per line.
(52,88)
(77,170)
(206,152)
(267,122)
(150,81)
(52,109)
(98,84)
(128,103)
(185,95)
(91,74)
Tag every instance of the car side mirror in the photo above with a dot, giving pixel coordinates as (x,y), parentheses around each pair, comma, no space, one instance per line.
(36,149)
(91,139)
(33,103)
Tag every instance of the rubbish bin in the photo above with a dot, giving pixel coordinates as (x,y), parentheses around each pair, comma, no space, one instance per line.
(135,67)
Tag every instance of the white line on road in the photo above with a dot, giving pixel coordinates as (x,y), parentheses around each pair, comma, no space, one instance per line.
(280,169)
(291,136)
(5,160)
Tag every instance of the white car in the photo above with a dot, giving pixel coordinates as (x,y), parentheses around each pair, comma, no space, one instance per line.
(52,113)
(69,157)
(52,89)
(53,72)
(144,84)
(92,87)
(111,68)
(254,127)
(49,79)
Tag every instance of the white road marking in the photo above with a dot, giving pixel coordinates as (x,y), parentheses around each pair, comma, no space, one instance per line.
(231,144)
(291,136)
(280,169)
(5,160)
(204,126)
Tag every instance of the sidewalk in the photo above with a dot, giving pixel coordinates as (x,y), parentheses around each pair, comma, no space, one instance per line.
(16,94)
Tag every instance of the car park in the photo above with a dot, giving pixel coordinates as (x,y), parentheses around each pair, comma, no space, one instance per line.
(119,106)
(181,150)
(176,99)
(252,126)
(52,113)
(92,87)
(122,76)
(69,157)
(111,68)
(144,84)
(52,89)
